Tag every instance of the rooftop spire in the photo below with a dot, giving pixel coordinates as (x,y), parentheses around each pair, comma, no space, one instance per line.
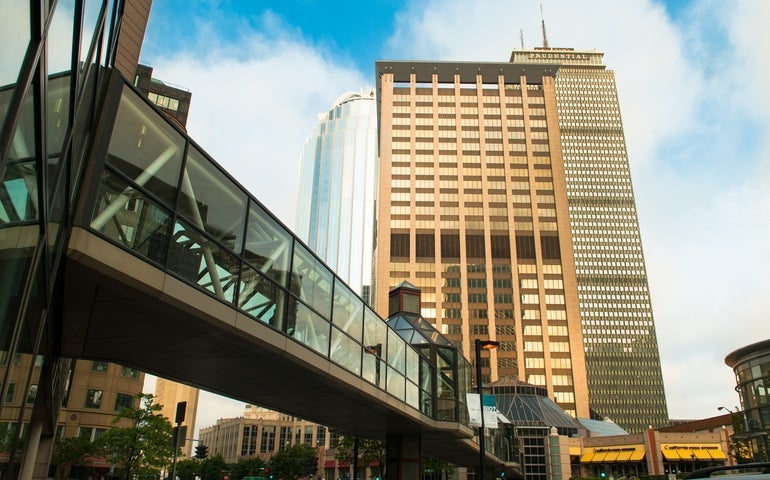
(542,23)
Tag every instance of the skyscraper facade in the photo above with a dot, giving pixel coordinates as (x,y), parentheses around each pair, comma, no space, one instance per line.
(337,187)
(472,209)
(505,196)
(625,381)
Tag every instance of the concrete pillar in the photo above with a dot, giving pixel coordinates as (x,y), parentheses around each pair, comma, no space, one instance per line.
(403,457)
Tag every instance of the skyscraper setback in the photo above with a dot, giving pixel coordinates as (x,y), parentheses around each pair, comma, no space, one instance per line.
(505,195)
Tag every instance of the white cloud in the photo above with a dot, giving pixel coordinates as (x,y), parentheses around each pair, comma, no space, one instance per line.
(253,105)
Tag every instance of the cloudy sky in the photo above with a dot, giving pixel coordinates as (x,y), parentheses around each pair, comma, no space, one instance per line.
(694,85)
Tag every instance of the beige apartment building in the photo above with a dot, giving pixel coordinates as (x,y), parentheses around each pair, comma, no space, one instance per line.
(505,196)
(169,394)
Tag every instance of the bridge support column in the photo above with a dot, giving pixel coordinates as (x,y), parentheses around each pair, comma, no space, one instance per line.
(404,457)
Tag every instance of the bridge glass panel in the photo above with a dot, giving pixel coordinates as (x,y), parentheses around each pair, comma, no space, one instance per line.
(211,201)
(313,281)
(345,351)
(375,338)
(202,262)
(23,145)
(18,202)
(145,148)
(396,384)
(348,313)
(426,398)
(396,352)
(261,298)
(412,365)
(130,218)
(308,328)
(268,246)
(412,395)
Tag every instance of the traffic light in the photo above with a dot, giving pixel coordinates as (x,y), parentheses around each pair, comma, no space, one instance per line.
(603,475)
(201,452)
(269,473)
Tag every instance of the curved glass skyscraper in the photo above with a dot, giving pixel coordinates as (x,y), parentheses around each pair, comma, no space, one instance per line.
(337,188)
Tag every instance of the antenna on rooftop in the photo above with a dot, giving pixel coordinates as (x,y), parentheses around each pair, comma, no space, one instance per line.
(542,22)
(521,37)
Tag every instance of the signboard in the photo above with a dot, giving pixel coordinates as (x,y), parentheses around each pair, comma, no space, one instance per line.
(474,410)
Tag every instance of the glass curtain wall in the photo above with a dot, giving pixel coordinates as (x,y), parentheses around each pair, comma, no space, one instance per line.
(51,57)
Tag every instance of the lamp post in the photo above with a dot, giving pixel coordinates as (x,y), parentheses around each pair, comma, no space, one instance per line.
(482,345)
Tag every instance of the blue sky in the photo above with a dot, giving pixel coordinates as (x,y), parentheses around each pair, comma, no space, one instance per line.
(693,79)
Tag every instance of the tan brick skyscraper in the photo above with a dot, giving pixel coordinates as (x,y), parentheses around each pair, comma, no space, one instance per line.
(482,204)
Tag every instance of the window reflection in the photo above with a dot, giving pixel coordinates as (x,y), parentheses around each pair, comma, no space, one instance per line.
(211,201)
(267,245)
(145,148)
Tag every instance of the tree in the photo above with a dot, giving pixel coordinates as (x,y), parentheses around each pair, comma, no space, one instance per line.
(213,468)
(248,467)
(144,446)
(370,452)
(293,462)
(70,452)
(186,469)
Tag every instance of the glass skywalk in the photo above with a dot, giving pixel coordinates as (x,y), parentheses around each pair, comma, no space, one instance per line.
(164,199)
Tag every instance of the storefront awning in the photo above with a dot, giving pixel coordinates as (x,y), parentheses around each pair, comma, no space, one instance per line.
(329,464)
(614,454)
(692,452)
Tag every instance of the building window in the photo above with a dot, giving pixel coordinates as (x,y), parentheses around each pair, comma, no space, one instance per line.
(99,367)
(10,390)
(267,444)
(320,436)
(123,401)
(129,372)
(94,399)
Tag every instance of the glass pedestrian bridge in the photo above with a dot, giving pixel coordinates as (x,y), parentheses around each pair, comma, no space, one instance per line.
(149,191)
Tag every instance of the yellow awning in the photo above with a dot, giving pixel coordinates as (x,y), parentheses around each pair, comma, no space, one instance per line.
(693,451)
(619,453)
(588,455)
(715,451)
(612,456)
(637,455)
(701,453)
(574,451)
(624,455)
(599,457)
(670,452)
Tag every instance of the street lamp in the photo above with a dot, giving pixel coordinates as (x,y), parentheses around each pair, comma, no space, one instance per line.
(482,345)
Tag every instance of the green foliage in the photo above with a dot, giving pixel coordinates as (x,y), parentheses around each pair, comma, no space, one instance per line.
(213,468)
(144,446)
(369,451)
(69,452)
(186,469)
(293,462)
(249,467)
(434,468)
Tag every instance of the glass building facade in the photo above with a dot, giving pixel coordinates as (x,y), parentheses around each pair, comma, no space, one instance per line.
(751,425)
(335,203)
(53,57)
